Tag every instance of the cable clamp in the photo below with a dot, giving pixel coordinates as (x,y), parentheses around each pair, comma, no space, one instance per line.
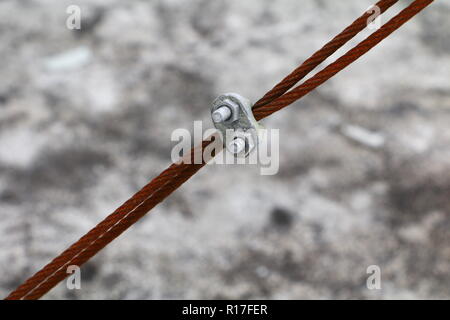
(232,115)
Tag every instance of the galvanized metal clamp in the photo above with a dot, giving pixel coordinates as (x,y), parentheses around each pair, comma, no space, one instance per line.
(232,115)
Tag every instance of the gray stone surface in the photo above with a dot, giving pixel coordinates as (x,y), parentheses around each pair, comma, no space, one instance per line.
(86,118)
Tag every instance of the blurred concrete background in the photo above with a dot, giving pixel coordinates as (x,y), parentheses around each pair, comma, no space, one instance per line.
(86,118)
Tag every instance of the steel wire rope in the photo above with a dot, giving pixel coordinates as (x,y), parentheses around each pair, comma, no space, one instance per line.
(174,176)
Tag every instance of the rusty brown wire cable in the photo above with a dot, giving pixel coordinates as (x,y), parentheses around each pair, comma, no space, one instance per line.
(321,55)
(111,227)
(346,59)
(178,173)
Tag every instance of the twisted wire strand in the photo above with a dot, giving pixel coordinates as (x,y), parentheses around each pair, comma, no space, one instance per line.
(321,55)
(345,60)
(112,226)
(178,173)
